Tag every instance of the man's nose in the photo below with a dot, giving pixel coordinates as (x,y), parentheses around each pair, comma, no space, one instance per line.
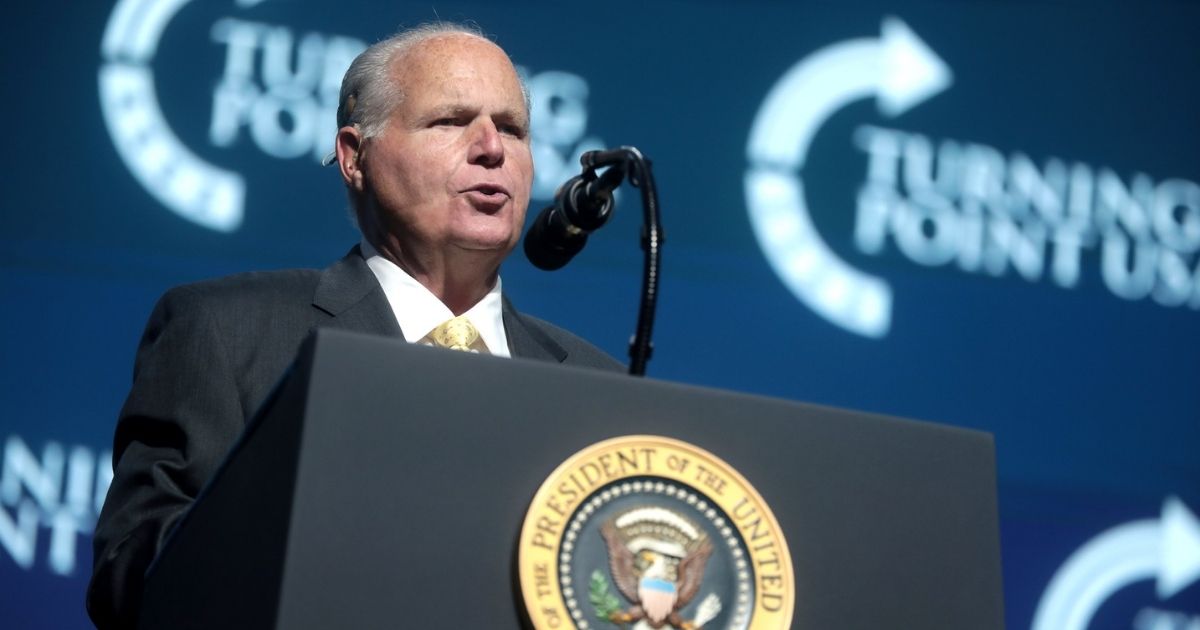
(487,147)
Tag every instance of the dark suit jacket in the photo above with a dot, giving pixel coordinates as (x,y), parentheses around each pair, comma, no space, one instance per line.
(210,354)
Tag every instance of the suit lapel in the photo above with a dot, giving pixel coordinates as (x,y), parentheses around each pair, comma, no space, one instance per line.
(526,340)
(349,291)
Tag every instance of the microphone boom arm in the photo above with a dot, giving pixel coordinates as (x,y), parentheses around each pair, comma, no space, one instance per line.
(582,205)
(629,161)
(641,177)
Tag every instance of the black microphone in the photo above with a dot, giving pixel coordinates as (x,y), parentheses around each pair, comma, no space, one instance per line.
(581,206)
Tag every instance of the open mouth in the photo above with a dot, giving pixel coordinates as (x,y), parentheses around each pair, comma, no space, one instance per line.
(487,197)
(488,190)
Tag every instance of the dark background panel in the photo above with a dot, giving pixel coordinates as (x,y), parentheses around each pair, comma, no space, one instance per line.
(1092,398)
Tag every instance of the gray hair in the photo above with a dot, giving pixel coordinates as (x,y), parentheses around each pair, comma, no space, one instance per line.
(369,91)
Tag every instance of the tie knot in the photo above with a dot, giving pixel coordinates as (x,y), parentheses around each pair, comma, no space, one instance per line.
(457,334)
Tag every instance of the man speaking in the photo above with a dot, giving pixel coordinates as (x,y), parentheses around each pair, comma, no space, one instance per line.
(433,147)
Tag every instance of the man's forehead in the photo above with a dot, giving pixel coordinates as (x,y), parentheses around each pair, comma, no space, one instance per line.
(440,54)
(447,67)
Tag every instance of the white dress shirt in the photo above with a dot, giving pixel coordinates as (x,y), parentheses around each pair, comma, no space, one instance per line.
(418,311)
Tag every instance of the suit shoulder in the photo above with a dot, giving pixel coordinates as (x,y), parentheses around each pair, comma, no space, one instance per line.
(241,307)
(248,289)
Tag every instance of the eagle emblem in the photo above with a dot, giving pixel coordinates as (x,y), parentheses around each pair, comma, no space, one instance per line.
(657,559)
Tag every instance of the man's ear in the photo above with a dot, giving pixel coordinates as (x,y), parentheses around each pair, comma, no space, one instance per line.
(349,146)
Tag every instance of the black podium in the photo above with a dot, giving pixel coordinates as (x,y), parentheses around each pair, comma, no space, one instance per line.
(384,485)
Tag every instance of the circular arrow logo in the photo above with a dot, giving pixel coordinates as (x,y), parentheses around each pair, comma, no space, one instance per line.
(189,186)
(1166,550)
(900,71)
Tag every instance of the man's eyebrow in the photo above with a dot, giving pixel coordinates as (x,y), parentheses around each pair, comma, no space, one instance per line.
(452,109)
(515,116)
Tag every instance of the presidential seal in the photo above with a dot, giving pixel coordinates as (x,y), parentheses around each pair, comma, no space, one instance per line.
(644,532)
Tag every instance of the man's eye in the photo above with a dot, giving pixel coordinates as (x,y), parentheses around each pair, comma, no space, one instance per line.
(447,122)
(513,130)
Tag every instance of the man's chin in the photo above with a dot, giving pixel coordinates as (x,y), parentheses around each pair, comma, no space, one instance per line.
(499,246)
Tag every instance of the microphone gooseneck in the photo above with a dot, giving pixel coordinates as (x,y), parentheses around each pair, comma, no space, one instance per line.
(582,205)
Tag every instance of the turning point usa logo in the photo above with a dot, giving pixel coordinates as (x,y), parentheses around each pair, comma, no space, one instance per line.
(278,90)
(942,202)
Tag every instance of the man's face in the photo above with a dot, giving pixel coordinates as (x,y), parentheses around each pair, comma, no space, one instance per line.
(452,171)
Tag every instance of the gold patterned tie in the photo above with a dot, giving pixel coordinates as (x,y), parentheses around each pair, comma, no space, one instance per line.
(457,334)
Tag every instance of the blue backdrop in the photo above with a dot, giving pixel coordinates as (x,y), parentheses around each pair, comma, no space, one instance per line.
(977,213)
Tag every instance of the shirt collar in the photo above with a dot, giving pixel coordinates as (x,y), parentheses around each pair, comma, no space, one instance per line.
(419,311)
